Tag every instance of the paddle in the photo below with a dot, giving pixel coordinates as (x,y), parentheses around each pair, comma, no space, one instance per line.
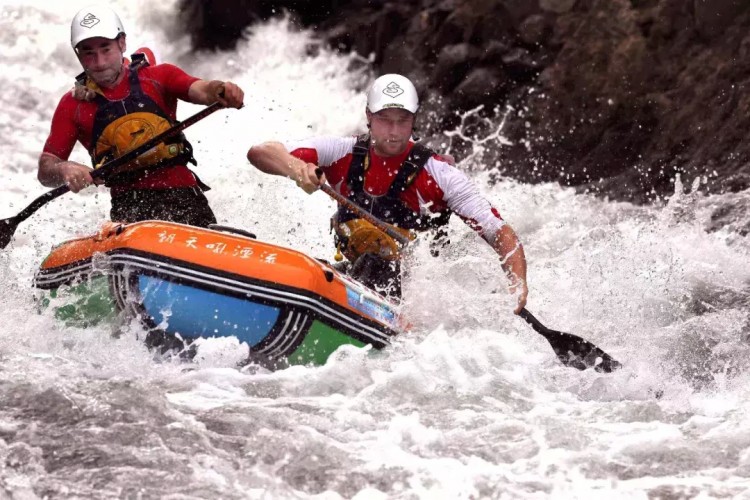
(571,350)
(8,226)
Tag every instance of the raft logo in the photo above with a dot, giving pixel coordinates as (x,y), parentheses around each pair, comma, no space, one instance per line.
(393,90)
(89,20)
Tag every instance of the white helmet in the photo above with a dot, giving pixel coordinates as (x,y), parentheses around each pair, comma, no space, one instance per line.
(93,21)
(392,91)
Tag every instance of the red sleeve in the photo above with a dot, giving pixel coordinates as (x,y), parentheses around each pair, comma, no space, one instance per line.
(63,131)
(308,155)
(445,158)
(174,80)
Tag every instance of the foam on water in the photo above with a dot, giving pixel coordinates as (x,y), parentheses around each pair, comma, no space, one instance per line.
(472,403)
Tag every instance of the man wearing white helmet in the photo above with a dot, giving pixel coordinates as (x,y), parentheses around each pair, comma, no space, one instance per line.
(118,105)
(398,181)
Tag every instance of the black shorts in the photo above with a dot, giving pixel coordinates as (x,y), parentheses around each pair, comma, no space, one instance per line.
(181,205)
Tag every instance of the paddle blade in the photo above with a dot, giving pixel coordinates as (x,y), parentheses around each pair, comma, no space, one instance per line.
(578,353)
(571,349)
(7,229)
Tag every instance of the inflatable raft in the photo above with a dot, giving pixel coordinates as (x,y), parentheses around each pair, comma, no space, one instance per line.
(221,282)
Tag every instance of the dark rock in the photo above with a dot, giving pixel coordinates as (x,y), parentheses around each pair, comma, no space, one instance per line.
(479,21)
(557,6)
(453,62)
(733,214)
(494,51)
(712,17)
(534,30)
(217,25)
(519,10)
(521,65)
(737,182)
(481,86)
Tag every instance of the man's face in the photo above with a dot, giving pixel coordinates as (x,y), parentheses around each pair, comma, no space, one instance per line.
(390,130)
(101,59)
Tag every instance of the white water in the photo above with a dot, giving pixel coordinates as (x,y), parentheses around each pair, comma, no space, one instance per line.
(471,404)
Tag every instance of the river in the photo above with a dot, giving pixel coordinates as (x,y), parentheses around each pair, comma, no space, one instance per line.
(470,404)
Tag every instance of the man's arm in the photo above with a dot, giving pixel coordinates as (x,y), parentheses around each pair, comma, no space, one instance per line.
(463,197)
(54,171)
(273,158)
(211,91)
(513,260)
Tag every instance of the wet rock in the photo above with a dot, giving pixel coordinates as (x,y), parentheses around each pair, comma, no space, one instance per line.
(733,215)
(534,30)
(481,86)
(480,21)
(737,182)
(712,17)
(378,33)
(557,6)
(494,51)
(453,62)
(521,65)
(219,24)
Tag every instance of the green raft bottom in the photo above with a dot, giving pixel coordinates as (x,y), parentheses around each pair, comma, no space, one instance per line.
(84,304)
(320,342)
(90,303)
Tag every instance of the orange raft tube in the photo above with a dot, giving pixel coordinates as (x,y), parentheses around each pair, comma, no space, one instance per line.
(222,282)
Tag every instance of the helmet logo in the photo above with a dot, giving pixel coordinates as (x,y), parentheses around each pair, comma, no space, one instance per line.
(393,90)
(89,21)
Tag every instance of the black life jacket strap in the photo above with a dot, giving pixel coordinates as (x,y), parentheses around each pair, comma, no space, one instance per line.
(441,220)
(407,174)
(81,78)
(359,164)
(138,60)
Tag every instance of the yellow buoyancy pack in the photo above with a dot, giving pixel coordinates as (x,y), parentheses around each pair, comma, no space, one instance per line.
(357,237)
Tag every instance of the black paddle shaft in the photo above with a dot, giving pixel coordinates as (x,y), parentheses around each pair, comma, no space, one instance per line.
(571,349)
(8,226)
